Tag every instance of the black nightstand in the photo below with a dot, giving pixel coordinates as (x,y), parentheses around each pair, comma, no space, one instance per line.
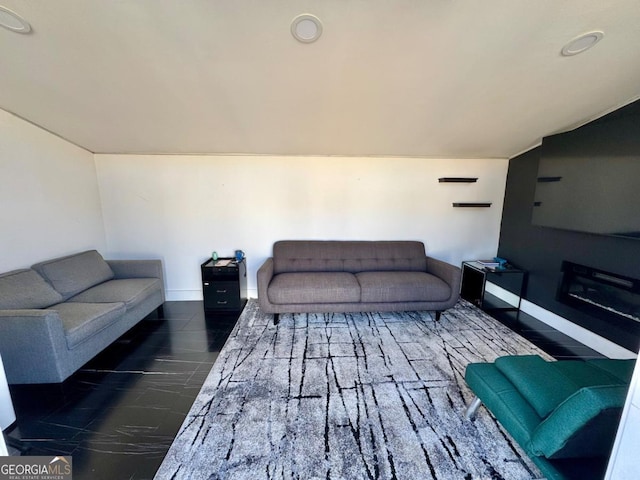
(224,285)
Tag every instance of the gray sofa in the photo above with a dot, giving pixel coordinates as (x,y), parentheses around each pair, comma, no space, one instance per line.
(355,276)
(59,314)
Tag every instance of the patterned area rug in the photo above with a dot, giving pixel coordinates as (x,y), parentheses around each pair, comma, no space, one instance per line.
(349,396)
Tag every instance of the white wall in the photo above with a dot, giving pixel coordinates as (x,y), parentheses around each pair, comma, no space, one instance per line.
(623,463)
(49,201)
(180,208)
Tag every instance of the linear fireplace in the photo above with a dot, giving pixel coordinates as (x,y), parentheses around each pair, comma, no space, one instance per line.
(600,293)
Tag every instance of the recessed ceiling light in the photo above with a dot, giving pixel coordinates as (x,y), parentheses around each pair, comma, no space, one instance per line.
(582,43)
(306,28)
(12,21)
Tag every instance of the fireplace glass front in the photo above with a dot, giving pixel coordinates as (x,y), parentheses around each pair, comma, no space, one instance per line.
(600,293)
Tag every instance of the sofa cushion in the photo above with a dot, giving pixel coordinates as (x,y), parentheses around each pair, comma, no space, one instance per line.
(130,291)
(75,273)
(26,289)
(547,384)
(584,425)
(81,321)
(348,256)
(402,287)
(317,287)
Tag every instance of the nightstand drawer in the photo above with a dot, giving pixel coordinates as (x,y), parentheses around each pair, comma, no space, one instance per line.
(229,273)
(221,295)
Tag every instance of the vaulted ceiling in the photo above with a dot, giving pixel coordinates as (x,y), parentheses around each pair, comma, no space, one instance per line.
(428,78)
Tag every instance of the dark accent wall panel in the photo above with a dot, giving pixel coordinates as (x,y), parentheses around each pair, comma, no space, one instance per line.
(541,250)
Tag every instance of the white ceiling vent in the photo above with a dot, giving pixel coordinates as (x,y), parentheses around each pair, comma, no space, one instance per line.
(12,21)
(306,28)
(582,43)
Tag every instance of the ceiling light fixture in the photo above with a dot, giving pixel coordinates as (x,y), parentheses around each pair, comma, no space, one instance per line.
(306,28)
(12,21)
(582,43)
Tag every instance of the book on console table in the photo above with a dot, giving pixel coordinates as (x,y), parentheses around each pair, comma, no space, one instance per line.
(488,263)
(222,263)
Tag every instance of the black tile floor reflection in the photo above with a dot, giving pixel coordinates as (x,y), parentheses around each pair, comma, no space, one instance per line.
(552,341)
(119,414)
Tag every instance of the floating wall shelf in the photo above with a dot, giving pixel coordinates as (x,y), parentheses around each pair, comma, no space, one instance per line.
(476,204)
(464,180)
(458,179)
(549,179)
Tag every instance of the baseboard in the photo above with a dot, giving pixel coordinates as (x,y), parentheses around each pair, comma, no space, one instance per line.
(586,337)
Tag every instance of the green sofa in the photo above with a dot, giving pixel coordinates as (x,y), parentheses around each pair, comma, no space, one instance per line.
(564,414)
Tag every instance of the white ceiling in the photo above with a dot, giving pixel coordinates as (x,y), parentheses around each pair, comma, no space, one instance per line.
(428,78)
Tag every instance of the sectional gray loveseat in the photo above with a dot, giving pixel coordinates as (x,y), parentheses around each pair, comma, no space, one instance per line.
(59,314)
(355,276)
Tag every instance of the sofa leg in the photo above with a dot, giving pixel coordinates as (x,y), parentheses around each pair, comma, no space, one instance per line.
(472,408)
(438,313)
(276,318)
(160,311)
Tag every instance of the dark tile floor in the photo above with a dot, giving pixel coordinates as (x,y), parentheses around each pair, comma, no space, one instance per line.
(118,416)
(555,343)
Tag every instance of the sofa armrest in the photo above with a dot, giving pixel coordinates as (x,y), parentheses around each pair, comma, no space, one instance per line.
(447,272)
(584,425)
(30,340)
(264,276)
(137,268)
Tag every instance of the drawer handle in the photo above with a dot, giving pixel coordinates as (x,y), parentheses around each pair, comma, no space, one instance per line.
(222,303)
(221,291)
